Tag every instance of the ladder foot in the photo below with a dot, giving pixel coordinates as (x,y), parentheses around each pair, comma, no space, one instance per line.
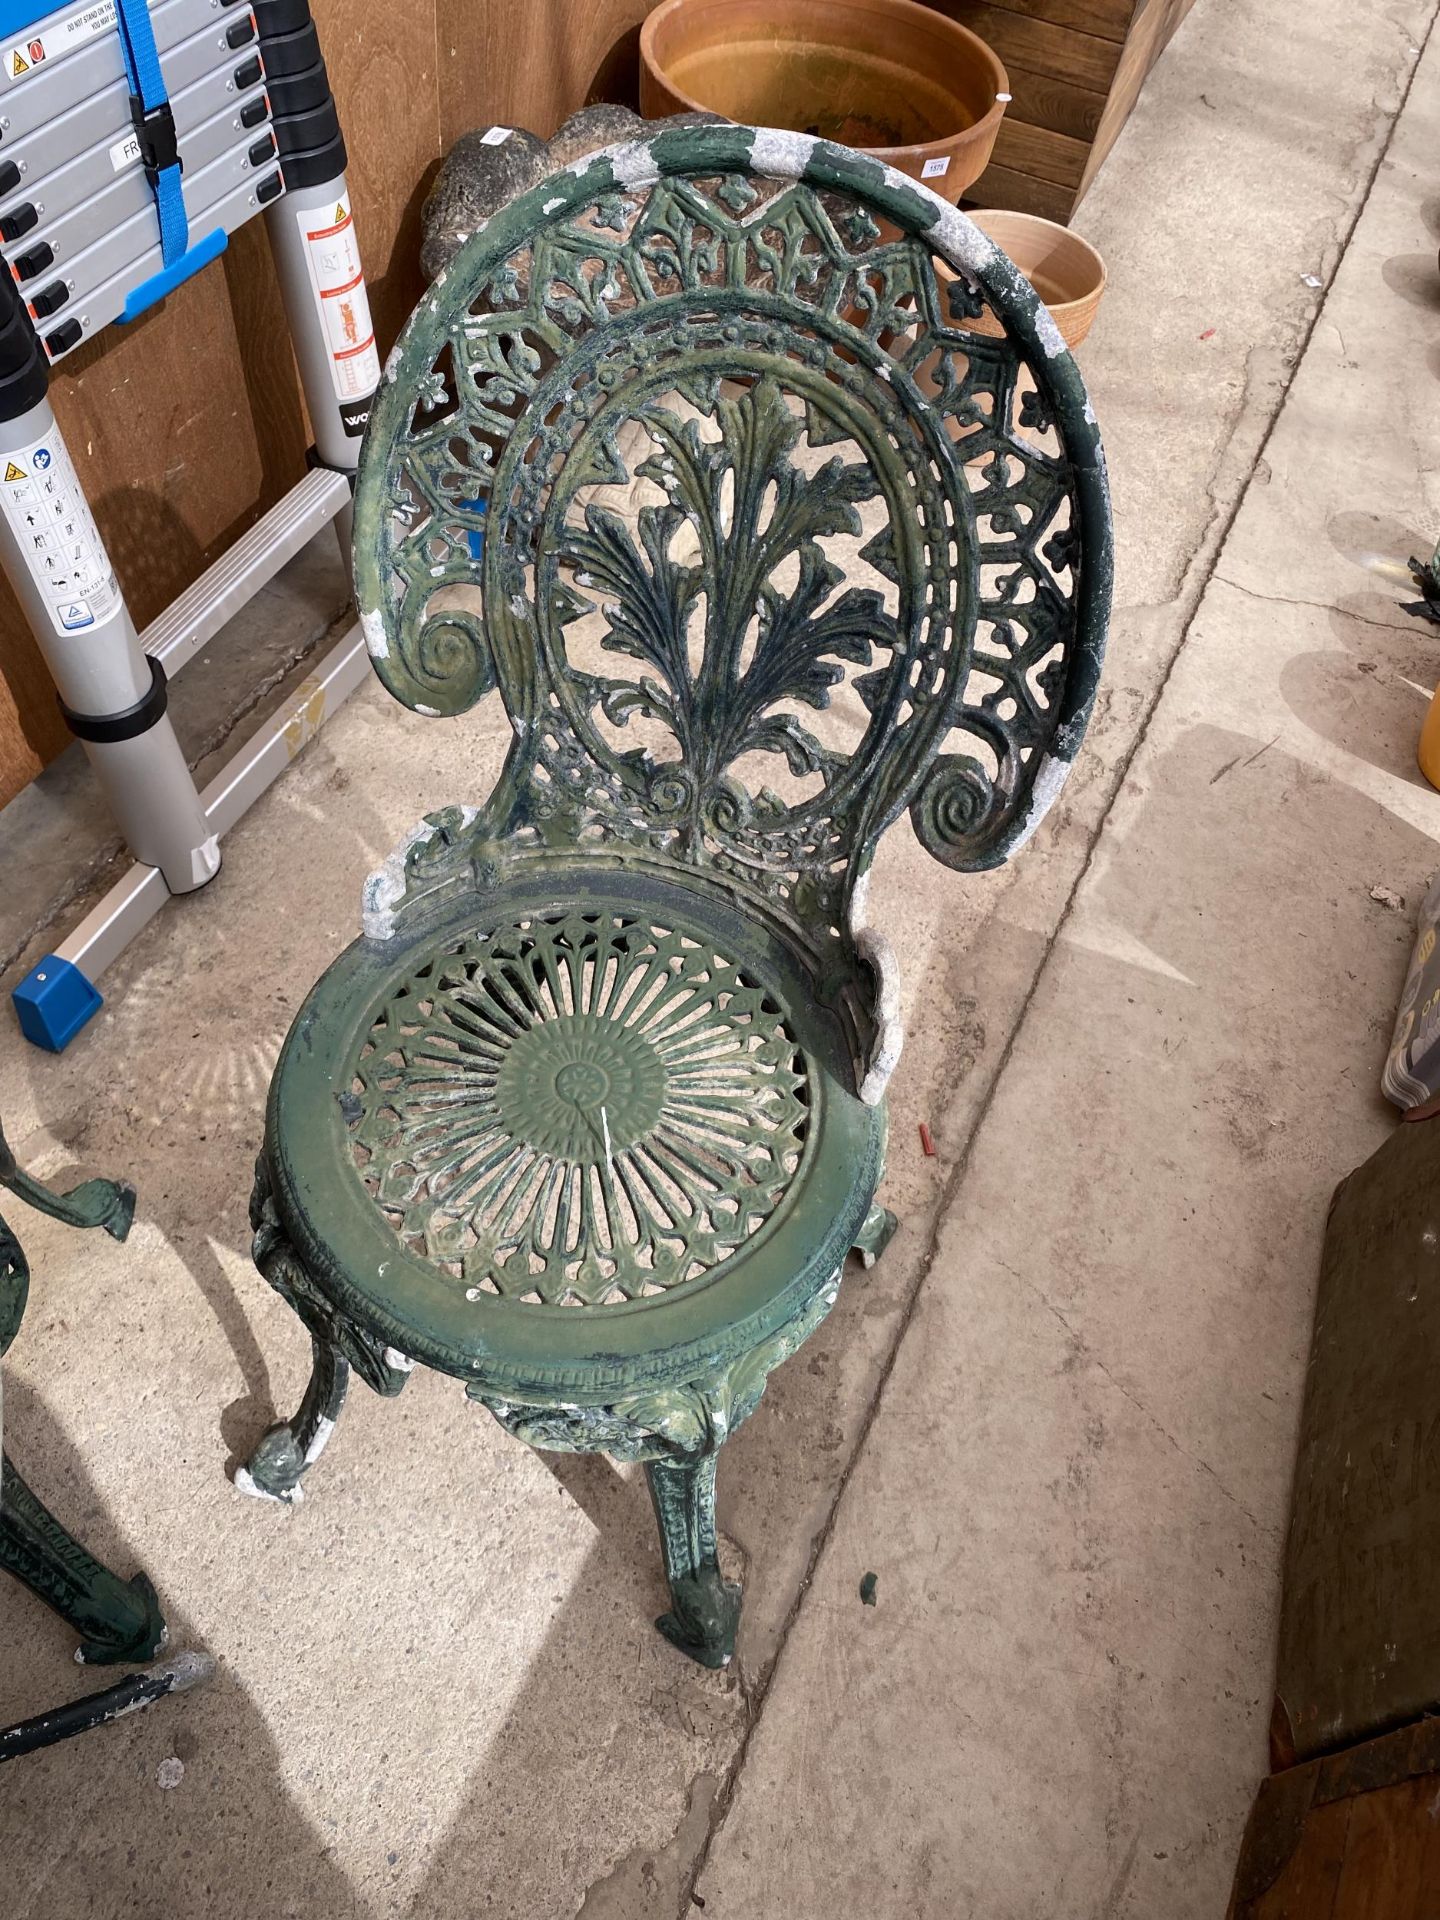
(53,1002)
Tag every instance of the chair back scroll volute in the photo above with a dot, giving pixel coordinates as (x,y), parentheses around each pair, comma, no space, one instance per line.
(695,456)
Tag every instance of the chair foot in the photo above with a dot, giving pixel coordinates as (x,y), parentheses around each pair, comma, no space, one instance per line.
(705,1607)
(288,1451)
(875,1233)
(118,1620)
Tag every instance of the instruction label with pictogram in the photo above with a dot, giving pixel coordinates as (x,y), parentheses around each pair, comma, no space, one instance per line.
(60,36)
(333,258)
(54,530)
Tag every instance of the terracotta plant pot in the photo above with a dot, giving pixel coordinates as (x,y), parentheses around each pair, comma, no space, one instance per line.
(895,79)
(1066,271)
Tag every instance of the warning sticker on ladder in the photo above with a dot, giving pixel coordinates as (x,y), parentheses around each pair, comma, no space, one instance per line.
(61,36)
(333,257)
(55,536)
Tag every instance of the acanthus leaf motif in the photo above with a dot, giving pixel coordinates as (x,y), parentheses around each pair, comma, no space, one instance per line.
(760,648)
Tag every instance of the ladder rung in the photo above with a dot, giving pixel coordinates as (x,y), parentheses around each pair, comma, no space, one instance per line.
(188,623)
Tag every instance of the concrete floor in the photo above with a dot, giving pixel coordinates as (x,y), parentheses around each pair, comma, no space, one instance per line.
(1057,1420)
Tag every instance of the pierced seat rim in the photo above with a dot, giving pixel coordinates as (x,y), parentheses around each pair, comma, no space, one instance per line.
(339,1233)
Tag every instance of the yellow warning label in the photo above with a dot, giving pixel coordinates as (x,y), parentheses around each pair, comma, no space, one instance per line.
(12,472)
(340,215)
(18,64)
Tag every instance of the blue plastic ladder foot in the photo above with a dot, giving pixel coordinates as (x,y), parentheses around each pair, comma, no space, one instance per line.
(54,1001)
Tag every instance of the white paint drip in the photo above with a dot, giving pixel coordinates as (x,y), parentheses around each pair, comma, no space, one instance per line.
(549,206)
(778,151)
(1051,777)
(878,954)
(377,641)
(632,164)
(244,1483)
(401,1362)
(385,888)
(951,233)
(319,1440)
(430,713)
(1051,338)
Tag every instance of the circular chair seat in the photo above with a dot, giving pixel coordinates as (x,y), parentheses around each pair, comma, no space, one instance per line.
(572,1139)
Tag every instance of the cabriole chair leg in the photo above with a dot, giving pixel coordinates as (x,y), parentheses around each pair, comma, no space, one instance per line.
(116,1619)
(705,1607)
(288,1451)
(875,1234)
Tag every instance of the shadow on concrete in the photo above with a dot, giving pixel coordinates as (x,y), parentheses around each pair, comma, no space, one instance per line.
(1369,693)
(1251,1099)
(94,1829)
(202,1098)
(1415,277)
(408,1523)
(1377,542)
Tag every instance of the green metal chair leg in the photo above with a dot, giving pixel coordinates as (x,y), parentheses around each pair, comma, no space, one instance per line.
(705,1613)
(291,1449)
(874,1235)
(118,1620)
(94,1203)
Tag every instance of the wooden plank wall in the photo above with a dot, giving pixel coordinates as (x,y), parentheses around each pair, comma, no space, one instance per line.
(1076,68)
(1351,1837)
(533,65)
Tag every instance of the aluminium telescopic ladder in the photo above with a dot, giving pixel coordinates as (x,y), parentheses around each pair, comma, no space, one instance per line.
(135,137)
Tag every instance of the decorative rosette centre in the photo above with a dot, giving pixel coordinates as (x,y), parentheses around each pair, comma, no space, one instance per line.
(580,1087)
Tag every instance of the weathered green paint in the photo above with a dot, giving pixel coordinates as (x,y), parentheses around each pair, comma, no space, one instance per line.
(645,1091)
(116,1619)
(705,1606)
(591,1116)
(874,1234)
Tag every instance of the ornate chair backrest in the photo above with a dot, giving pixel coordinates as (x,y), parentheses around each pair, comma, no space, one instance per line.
(766,492)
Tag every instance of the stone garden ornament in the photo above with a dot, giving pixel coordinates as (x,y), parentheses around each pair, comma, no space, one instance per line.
(592,1114)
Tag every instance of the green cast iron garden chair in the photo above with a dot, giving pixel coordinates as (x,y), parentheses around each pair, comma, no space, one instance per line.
(696,456)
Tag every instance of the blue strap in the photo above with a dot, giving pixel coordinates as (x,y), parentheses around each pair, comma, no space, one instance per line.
(147,86)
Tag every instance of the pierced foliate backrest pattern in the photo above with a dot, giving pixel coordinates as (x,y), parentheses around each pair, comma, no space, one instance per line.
(696,453)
